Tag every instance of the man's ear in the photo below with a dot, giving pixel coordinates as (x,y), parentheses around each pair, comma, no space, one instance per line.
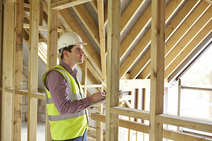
(65,53)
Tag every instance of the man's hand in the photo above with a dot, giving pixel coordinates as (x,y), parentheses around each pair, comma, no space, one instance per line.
(96,97)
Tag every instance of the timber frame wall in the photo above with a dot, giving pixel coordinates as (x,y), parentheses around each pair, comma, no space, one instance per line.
(11,38)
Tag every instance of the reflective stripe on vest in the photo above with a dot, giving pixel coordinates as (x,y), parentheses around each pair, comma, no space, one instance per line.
(49,100)
(64,117)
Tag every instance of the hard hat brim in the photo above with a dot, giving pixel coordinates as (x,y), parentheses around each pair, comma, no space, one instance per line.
(81,44)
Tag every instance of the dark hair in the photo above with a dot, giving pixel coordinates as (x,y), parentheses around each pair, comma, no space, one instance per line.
(65,48)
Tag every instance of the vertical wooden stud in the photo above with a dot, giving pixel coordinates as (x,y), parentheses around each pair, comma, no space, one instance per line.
(99,125)
(52,36)
(33,70)
(18,59)
(113,64)
(51,50)
(1,60)
(100,7)
(7,81)
(41,14)
(157,68)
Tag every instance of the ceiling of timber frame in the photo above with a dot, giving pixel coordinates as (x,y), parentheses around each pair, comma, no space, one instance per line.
(187,35)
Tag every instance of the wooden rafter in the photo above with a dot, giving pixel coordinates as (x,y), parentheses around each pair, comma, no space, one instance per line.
(136,31)
(141,46)
(181,32)
(170,29)
(189,48)
(129,13)
(67,3)
(88,22)
(188,37)
(209,1)
(94,5)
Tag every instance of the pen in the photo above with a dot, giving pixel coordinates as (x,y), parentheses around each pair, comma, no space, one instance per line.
(99,90)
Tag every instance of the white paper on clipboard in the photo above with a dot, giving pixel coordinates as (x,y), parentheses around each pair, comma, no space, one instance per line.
(97,103)
(104,101)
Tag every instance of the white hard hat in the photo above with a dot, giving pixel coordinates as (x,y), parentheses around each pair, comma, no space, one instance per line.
(69,38)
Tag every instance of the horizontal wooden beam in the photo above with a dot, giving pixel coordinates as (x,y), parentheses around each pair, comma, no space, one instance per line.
(25,93)
(130,112)
(128,84)
(123,123)
(185,122)
(125,98)
(169,134)
(41,27)
(8,1)
(67,3)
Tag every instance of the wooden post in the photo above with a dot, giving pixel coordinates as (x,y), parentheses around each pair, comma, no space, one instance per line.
(51,50)
(1,60)
(99,125)
(100,7)
(7,81)
(52,36)
(18,59)
(113,68)
(157,68)
(33,70)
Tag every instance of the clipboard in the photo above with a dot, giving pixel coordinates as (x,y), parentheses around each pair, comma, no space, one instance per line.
(97,103)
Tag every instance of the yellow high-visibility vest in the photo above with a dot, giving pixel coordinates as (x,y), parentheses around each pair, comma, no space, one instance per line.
(63,127)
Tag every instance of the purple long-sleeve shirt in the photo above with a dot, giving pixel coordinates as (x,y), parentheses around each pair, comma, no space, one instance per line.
(58,88)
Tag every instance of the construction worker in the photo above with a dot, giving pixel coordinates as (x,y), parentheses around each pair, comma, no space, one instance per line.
(65,101)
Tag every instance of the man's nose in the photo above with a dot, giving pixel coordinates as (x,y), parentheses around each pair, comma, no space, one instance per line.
(82,52)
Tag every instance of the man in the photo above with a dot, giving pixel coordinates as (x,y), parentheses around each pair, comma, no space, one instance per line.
(66,104)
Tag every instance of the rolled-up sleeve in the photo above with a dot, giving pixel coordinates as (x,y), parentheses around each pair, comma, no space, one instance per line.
(60,95)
